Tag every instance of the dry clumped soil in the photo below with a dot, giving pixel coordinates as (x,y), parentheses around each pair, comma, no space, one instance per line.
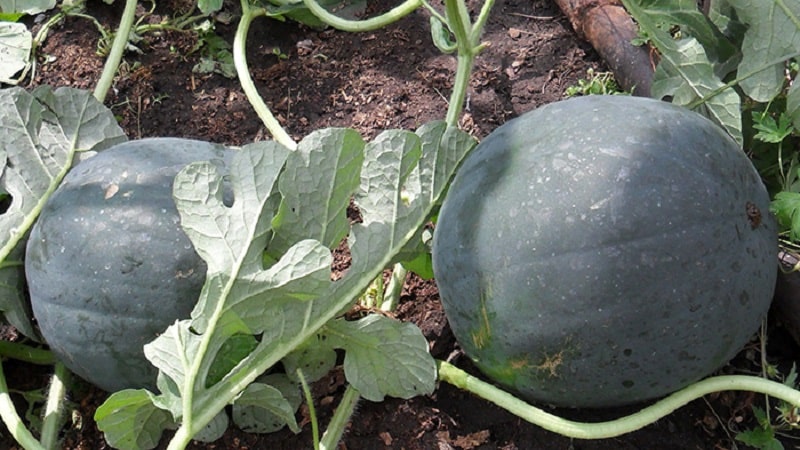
(390,78)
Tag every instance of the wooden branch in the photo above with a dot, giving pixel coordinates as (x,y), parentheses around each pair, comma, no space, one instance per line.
(607,26)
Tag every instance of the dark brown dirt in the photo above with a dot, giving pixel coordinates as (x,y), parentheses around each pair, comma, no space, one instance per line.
(391,78)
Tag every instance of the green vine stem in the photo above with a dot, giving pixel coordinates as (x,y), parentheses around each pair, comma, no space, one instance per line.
(344,411)
(117,49)
(602,430)
(248,86)
(26,353)
(12,421)
(312,412)
(394,288)
(53,411)
(387,18)
(467,43)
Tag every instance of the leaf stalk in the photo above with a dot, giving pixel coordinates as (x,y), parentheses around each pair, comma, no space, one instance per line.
(374,23)
(613,428)
(248,86)
(117,49)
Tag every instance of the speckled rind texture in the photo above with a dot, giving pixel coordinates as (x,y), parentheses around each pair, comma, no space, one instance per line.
(605,250)
(107,263)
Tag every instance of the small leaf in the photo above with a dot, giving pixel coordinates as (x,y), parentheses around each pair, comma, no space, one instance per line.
(384,357)
(207,7)
(315,358)
(268,405)
(421,265)
(770,131)
(129,420)
(214,429)
(442,38)
(793,103)
(760,438)
(786,206)
(683,16)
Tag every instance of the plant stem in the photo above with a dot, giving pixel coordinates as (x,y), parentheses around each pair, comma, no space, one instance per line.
(463,73)
(117,49)
(344,411)
(249,88)
(395,287)
(54,408)
(602,430)
(12,420)
(312,412)
(467,42)
(26,353)
(389,17)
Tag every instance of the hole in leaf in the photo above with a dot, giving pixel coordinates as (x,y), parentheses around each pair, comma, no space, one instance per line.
(5,202)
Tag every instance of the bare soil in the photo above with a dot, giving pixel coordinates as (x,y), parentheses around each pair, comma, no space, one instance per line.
(391,78)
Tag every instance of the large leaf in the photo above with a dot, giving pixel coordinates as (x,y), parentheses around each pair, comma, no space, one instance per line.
(26,6)
(687,75)
(15,50)
(772,36)
(43,131)
(291,298)
(321,176)
(689,21)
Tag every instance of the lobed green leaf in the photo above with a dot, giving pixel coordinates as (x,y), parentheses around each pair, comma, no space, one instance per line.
(43,132)
(298,202)
(384,357)
(316,186)
(686,74)
(15,50)
(773,35)
(30,7)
